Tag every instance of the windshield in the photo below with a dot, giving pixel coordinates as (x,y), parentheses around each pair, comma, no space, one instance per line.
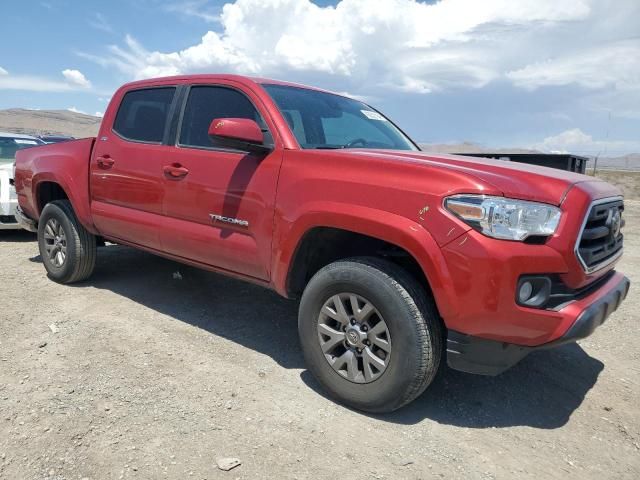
(324,120)
(10,145)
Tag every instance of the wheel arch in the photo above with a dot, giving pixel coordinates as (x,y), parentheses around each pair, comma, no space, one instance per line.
(48,188)
(341,231)
(48,191)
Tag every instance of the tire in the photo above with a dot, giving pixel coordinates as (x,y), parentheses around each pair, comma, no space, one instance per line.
(59,229)
(414,334)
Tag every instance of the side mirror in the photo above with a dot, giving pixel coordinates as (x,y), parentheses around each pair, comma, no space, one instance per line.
(238,133)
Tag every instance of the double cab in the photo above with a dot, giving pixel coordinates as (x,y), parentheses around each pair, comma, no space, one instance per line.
(400,260)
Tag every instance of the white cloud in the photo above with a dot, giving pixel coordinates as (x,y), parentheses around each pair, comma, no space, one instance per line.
(193,8)
(73,79)
(588,46)
(409,45)
(99,22)
(99,114)
(75,110)
(33,84)
(76,77)
(578,142)
(624,103)
(616,65)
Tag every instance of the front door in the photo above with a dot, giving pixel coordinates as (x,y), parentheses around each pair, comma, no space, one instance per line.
(127,182)
(219,203)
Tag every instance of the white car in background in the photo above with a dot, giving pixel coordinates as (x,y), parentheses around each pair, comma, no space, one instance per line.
(10,143)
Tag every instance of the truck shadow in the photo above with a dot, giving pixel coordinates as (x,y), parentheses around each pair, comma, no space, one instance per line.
(246,314)
(542,391)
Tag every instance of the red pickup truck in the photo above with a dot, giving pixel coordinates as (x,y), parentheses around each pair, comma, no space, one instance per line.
(400,258)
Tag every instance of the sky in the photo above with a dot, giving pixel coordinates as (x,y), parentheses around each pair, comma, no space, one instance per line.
(546,74)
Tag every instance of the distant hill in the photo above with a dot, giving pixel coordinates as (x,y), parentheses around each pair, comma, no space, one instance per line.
(469,147)
(38,122)
(626,162)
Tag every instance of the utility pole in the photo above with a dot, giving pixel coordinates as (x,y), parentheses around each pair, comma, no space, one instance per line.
(606,140)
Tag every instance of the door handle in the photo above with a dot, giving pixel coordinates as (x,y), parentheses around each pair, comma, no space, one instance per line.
(105,161)
(175,171)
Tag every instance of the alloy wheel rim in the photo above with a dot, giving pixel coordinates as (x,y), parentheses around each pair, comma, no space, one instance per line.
(55,242)
(354,338)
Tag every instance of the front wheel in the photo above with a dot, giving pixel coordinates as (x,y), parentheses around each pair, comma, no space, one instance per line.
(370,334)
(67,249)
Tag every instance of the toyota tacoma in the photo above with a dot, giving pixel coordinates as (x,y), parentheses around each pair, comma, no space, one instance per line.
(401,260)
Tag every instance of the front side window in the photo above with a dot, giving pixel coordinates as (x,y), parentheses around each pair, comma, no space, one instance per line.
(324,120)
(143,114)
(206,104)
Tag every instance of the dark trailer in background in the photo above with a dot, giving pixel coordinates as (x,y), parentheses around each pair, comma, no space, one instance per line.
(572,163)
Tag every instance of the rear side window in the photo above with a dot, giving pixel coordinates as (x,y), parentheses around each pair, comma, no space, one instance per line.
(208,103)
(143,114)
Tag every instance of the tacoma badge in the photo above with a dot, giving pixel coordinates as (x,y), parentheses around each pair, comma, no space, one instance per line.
(232,221)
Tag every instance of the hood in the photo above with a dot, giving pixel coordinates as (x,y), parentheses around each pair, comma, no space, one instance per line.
(514,180)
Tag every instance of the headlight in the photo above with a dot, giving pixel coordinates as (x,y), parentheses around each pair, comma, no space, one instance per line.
(505,218)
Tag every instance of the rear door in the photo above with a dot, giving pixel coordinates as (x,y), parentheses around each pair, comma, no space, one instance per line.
(220,210)
(126,176)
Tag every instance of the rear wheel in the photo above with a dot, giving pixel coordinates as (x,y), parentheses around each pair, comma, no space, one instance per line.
(67,249)
(370,334)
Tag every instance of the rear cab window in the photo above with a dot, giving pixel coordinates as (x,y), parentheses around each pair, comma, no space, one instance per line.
(143,114)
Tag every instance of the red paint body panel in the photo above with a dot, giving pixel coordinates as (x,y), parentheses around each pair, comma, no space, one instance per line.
(514,180)
(135,183)
(161,198)
(66,164)
(233,185)
(484,277)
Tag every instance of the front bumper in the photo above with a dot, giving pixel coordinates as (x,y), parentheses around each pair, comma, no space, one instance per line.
(482,356)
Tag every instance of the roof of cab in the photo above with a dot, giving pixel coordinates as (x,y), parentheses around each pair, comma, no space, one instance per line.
(210,77)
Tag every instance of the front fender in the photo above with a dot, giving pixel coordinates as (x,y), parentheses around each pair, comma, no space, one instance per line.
(397,230)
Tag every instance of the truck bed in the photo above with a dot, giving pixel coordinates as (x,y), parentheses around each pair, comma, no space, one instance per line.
(67,163)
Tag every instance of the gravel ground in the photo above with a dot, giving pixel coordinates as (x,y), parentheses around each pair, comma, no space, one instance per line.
(156,370)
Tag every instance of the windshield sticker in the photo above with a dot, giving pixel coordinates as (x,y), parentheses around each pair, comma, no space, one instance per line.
(25,142)
(371,115)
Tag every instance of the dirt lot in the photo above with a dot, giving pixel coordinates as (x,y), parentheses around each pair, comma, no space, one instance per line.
(153,376)
(627,181)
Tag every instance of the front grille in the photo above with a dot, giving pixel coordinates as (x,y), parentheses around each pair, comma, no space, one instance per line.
(7,219)
(601,238)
